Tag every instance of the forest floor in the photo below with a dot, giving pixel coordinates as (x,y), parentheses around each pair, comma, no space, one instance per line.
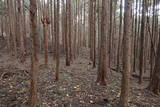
(76,87)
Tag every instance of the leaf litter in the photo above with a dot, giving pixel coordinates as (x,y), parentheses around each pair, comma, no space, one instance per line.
(76,87)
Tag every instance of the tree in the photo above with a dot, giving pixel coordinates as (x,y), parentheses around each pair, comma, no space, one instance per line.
(119,39)
(141,57)
(154,85)
(92,31)
(12,37)
(20,19)
(34,57)
(56,6)
(94,34)
(46,21)
(103,57)
(68,32)
(126,54)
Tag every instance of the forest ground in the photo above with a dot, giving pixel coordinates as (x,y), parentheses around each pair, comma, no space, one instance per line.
(76,87)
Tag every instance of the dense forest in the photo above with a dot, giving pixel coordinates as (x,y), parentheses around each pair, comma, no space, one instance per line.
(79,53)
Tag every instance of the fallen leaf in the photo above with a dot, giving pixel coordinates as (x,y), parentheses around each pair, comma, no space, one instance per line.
(118,95)
(91,101)
(62,89)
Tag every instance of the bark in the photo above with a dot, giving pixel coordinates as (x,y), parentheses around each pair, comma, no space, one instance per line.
(154,85)
(52,26)
(103,59)
(135,39)
(92,30)
(57,40)
(12,30)
(68,32)
(46,23)
(34,57)
(119,40)
(110,32)
(94,34)
(141,57)
(20,30)
(126,55)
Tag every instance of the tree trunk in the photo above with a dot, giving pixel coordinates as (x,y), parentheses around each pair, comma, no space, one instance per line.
(126,55)
(46,23)
(119,40)
(68,32)
(154,85)
(34,57)
(141,57)
(57,40)
(103,59)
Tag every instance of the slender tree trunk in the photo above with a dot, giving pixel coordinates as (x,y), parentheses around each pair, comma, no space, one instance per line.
(154,85)
(103,59)
(20,30)
(94,34)
(141,57)
(126,55)
(34,58)
(68,33)
(46,23)
(57,39)
(52,26)
(110,33)
(135,39)
(12,30)
(119,39)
